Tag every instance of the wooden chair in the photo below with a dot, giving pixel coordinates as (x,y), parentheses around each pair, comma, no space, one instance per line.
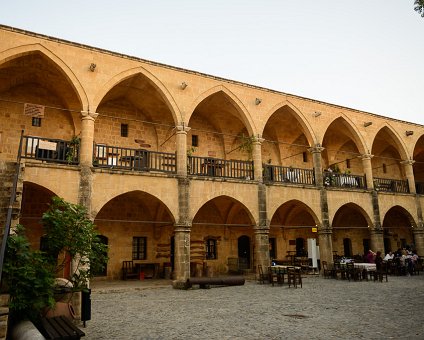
(272,276)
(294,276)
(327,271)
(262,277)
(129,270)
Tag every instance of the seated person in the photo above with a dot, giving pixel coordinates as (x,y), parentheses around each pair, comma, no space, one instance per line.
(389,256)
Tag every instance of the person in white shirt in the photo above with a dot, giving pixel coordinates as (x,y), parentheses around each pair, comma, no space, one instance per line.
(389,256)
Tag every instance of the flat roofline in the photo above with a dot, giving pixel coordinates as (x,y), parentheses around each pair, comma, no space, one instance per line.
(117,54)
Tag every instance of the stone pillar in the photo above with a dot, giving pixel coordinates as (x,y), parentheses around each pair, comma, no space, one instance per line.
(182,235)
(409,173)
(316,158)
(182,149)
(261,231)
(182,254)
(324,231)
(257,158)
(87,137)
(419,240)
(377,240)
(325,245)
(367,166)
(261,255)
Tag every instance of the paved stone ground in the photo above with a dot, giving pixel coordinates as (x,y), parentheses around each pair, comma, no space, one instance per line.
(322,309)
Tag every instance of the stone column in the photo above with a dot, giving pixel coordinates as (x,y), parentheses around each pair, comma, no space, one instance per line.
(316,158)
(366,164)
(86,158)
(261,255)
(325,244)
(324,230)
(377,240)
(87,137)
(182,149)
(261,231)
(182,254)
(257,158)
(409,173)
(182,235)
(419,240)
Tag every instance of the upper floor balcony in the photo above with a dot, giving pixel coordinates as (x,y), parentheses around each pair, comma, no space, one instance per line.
(143,160)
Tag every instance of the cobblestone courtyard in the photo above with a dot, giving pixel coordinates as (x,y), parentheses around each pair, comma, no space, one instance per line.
(322,309)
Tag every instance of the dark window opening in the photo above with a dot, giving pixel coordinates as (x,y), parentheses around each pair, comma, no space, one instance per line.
(139,249)
(36,121)
(305,156)
(194,140)
(384,168)
(124,130)
(348,163)
(211,253)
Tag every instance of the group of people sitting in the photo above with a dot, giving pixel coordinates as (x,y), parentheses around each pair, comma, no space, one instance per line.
(405,258)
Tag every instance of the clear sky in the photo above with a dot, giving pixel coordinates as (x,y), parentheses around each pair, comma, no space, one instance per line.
(363,54)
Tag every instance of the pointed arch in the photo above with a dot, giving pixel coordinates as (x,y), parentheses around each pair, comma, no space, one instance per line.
(25,50)
(156,83)
(400,145)
(238,105)
(353,207)
(232,212)
(293,206)
(359,140)
(299,116)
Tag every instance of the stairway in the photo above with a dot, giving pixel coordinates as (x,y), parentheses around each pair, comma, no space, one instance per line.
(7,177)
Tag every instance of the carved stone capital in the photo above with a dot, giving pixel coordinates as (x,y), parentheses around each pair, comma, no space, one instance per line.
(316,149)
(407,162)
(182,128)
(88,115)
(366,156)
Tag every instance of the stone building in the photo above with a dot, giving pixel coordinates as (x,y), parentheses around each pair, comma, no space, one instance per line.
(180,169)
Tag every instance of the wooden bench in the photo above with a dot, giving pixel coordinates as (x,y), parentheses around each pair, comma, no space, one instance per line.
(129,270)
(60,327)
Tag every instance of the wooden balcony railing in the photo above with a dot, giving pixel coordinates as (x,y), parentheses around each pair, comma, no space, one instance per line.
(419,187)
(215,167)
(275,173)
(333,179)
(106,156)
(50,150)
(391,185)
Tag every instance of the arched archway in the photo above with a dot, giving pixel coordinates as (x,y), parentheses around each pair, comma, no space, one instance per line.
(285,146)
(136,114)
(398,227)
(419,165)
(219,123)
(388,153)
(34,77)
(139,228)
(222,221)
(32,211)
(292,224)
(351,231)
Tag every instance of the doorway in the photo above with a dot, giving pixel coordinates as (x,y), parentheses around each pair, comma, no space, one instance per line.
(244,252)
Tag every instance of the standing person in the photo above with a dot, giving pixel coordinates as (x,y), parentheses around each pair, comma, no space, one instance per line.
(370,256)
(378,261)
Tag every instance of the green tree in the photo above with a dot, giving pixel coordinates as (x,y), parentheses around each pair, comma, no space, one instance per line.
(27,277)
(419,7)
(68,230)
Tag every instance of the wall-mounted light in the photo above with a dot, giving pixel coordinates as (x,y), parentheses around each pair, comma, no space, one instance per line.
(183,85)
(258,101)
(366,124)
(409,133)
(316,114)
(92,67)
